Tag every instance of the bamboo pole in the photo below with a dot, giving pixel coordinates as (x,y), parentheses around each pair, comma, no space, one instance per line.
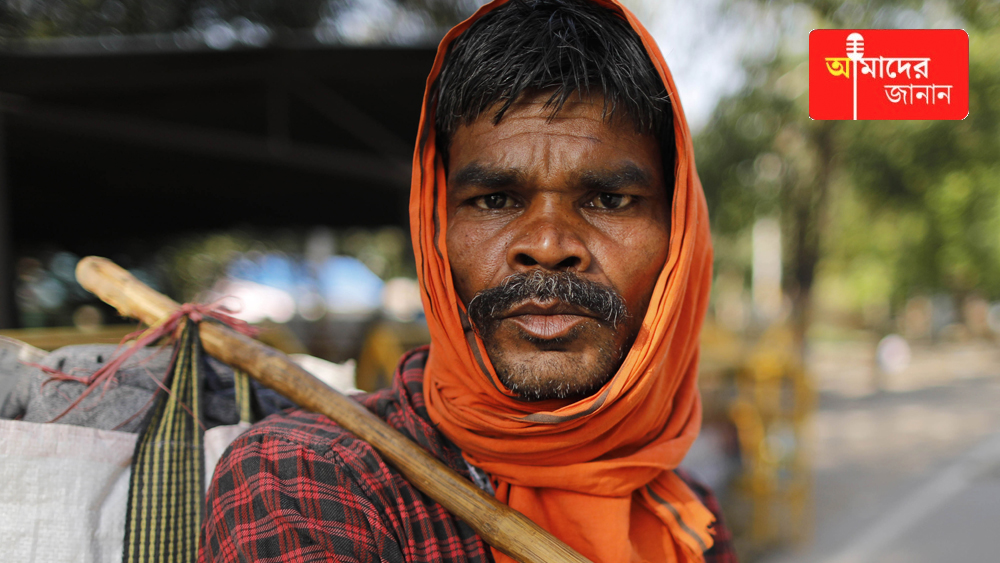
(500,526)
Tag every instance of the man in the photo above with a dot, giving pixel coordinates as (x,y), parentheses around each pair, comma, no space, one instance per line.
(562,245)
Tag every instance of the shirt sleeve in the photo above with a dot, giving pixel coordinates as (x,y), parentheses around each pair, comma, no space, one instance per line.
(274,500)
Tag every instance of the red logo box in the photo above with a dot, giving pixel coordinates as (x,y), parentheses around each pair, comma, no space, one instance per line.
(888,74)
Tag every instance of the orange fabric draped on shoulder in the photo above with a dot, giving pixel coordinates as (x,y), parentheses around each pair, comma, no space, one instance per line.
(596,472)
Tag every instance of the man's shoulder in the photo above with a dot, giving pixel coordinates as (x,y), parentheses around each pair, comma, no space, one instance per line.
(299,428)
(401,406)
(302,476)
(298,446)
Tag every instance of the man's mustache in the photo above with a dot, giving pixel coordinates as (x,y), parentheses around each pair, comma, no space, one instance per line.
(603,302)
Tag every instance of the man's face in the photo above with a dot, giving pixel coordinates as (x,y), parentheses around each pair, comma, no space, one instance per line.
(577,203)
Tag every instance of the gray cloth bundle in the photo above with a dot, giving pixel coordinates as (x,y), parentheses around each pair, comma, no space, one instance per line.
(24,394)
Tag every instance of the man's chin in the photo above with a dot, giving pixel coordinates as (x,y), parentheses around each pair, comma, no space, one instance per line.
(571,364)
(551,374)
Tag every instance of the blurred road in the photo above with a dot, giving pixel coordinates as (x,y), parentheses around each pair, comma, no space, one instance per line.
(909,473)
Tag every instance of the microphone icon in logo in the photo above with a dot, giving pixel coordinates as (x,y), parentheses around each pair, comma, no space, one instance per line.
(855,46)
(855,50)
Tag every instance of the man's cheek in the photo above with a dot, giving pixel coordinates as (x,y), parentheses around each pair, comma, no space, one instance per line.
(482,252)
(472,260)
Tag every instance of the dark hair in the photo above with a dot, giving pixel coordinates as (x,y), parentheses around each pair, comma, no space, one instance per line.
(558,46)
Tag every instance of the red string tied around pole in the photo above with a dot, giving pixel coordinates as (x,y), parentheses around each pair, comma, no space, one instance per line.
(105,376)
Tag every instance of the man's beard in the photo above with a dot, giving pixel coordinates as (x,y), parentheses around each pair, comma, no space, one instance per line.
(551,375)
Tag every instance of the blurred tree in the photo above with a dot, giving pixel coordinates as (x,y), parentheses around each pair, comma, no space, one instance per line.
(941,179)
(923,198)
(760,156)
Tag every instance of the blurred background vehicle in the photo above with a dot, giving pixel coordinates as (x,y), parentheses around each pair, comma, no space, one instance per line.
(259,151)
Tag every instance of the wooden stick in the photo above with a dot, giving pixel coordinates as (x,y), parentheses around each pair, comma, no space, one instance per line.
(500,526)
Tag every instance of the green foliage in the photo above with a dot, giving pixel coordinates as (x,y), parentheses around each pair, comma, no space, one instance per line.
(740,153)
(879,210)
(944,176)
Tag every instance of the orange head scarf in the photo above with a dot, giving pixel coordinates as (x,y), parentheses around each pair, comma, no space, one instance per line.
(597,472)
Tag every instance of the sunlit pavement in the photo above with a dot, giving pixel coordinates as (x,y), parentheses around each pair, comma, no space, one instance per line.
(910,473)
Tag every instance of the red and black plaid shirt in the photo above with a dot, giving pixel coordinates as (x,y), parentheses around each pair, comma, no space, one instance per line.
(298,488)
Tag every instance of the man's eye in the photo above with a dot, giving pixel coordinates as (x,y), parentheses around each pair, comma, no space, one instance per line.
(494,201)
(611,201)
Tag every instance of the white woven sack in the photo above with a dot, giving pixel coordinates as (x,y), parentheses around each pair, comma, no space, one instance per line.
(64,489)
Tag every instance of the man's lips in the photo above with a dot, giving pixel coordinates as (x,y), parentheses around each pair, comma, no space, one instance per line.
(547,320)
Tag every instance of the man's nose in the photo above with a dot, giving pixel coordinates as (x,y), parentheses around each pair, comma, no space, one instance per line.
(550,238)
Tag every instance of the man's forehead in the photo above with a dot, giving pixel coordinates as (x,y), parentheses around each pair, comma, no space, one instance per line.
(489,153)
(581,109)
